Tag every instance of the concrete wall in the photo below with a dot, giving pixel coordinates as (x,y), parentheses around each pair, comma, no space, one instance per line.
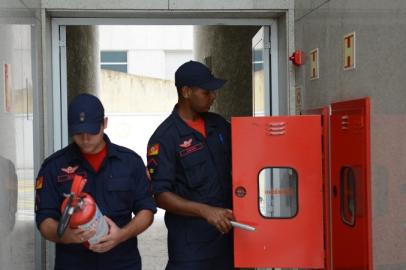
(226,50)
(126,93)
(135,106)
(380,29)
(82,60)
(167,4)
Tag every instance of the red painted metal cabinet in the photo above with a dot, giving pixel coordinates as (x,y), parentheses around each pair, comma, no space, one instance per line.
(278,189)
(350,181)
(305,188)
(324,112)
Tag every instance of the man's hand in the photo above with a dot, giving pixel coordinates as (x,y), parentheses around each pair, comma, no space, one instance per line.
(218,217)
(71,236)
(77,236)
(112,239)
(140,222)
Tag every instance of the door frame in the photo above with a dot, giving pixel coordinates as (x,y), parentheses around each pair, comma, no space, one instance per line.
(268,35)
(54,34)
(58,79)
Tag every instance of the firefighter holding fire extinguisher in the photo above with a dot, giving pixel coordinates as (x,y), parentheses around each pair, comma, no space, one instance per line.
(93,175)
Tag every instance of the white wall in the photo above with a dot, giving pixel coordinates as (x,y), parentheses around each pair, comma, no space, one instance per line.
(140,37)
(152,50)
(133,130)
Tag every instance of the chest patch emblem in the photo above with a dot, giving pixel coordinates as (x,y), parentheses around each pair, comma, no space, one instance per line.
(70,170)
(186,144)
(191,149)
(69,173)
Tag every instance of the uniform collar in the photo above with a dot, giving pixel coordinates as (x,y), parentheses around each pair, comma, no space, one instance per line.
(77,156)
(111,150)
(184,129)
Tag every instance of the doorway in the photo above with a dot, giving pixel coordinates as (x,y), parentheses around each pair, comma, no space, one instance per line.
(60,84)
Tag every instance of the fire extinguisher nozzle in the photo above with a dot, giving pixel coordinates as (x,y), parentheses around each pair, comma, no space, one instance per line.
(65,218)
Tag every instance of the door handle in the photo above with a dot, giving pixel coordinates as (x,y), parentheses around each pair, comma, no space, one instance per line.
(242,226)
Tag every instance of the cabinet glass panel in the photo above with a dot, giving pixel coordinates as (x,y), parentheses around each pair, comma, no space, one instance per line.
(347,196)
(278,192)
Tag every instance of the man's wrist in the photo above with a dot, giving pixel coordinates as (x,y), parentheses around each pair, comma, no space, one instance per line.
(203,210)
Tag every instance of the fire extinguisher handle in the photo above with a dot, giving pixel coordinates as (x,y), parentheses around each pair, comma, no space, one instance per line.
(66,215)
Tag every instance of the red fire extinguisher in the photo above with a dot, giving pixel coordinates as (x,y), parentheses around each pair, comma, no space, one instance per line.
(79,210)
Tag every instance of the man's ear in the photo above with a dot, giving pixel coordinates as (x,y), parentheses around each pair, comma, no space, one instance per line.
(105,122)
(186,91)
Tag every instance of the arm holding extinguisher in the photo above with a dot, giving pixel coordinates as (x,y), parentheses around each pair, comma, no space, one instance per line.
(142,219)
(49,227)
(48,216)
(80,221)
(117,235)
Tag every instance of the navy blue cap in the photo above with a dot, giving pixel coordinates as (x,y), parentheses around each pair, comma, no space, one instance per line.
(85,114)
(194,73)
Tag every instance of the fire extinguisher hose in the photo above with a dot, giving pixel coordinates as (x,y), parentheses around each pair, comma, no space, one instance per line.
(72,202)
(67,214)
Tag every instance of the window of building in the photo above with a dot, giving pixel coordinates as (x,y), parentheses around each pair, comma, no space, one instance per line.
(114,60)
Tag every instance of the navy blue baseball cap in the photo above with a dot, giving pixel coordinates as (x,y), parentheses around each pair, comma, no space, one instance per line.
(85,114)
(194,73)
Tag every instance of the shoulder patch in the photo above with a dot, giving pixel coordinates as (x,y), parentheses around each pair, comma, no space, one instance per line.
(151,165)
(153,150)
(39,182)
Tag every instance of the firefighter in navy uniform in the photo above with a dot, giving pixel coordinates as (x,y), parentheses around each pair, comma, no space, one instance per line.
(116,179)
(189,161)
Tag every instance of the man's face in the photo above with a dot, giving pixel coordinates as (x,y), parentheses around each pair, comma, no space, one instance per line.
(200,100)
(91,143)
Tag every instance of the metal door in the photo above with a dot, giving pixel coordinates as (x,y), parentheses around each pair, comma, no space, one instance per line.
(265,71)
(277,188)
(350,179)
(59,85)
(58,113)
(324,112)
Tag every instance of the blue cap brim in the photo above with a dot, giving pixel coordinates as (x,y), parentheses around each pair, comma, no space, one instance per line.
(85,128)
(213,84)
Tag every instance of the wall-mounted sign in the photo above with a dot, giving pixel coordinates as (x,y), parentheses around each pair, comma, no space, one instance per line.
(314,64)
(349,51)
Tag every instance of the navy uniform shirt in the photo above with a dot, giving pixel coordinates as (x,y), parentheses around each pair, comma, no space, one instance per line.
(120,188)
(183,161)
